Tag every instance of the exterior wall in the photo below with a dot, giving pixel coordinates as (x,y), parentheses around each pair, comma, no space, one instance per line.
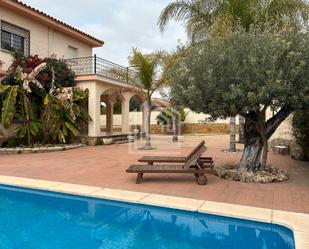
(193,124)
(185,128)
(44,41)
(137,117)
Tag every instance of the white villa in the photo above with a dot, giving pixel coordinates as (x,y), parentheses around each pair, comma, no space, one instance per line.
(36,33)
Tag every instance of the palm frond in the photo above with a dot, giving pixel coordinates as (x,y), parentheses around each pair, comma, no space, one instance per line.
(145,67)
(9,106)
(179,10)
(4,88)
(72,128)
(195,13)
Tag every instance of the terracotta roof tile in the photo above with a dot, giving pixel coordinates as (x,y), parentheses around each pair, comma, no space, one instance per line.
(56,20)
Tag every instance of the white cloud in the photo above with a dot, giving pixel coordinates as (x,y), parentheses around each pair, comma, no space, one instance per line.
(122,24)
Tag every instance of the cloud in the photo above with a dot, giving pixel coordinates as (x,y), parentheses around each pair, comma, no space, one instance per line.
(122,24)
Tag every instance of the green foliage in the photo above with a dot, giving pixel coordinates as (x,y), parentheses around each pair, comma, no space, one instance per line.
(146,67)
(8,107)
(46,105)
(64,76)
(62,117)
(244,72)
(166,116)
(57,69)
(204,17)
(135,105)
(301,130)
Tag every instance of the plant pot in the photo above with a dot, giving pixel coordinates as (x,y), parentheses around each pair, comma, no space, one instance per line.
(130,138)
(107,141)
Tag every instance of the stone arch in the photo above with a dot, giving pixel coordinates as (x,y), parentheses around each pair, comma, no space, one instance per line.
(110,102)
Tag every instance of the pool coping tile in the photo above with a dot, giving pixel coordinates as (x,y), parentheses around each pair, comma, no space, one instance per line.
(76,189)
(237,211)
(301,240)
(119,195)
(28,183)
(297,222)
(172,202)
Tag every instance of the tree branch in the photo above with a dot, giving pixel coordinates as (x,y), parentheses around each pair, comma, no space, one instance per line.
(273,123)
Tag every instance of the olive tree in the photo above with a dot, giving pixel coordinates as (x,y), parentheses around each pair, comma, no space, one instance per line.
(247,73)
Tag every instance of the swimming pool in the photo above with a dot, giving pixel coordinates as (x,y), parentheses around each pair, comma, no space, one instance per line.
(33,219)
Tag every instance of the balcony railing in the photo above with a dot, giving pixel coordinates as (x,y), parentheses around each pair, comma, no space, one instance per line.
(102,67)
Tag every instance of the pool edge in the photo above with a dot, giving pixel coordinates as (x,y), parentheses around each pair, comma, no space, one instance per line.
(297,222)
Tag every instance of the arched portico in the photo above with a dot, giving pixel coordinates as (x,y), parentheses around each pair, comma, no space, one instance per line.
(107,91)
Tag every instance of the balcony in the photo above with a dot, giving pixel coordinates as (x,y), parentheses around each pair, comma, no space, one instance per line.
(102,67)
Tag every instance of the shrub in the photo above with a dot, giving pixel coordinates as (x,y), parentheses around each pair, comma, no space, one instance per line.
(42,96)
(301,130)
(166,116)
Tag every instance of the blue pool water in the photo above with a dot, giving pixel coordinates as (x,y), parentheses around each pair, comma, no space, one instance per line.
(31,219)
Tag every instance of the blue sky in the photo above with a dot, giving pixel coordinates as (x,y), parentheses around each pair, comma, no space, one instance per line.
(122,24)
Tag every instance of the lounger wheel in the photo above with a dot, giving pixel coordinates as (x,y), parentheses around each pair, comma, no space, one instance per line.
(201,179)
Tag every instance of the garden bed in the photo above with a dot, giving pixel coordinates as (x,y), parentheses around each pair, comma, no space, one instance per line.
(269,175)
(40,149)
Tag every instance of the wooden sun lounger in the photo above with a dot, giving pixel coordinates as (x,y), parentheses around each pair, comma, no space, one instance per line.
(204,162)
(189,166)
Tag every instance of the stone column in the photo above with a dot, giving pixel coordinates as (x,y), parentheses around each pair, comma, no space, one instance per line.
(125,111)
(109,116)
(94,101)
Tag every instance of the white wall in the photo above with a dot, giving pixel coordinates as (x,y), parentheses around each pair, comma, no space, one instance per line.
(44,41)
(135,118)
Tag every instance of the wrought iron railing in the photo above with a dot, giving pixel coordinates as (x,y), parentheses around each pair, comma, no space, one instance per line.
(99,66)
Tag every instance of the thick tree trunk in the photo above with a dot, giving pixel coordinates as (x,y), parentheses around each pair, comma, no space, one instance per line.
(257,134)
(175,129)
(251,157)
(232,134)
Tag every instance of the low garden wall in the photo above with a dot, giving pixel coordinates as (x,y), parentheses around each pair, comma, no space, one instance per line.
(39,149)
(185,128)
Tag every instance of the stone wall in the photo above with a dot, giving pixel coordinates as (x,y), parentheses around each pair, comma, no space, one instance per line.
(185,128)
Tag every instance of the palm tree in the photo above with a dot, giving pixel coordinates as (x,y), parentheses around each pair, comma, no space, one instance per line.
(205,17)
(147,69)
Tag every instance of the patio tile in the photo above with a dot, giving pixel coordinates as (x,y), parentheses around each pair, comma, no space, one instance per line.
(119,195)
(104,166)
(172,202)
(301,240)
(75,189)
(295,221)
(236,211)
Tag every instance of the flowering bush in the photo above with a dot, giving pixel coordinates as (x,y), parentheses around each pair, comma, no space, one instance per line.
(42,95)
(63,75)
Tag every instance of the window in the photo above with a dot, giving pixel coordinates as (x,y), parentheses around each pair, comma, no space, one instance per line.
(12,42)
(14,38)
(72,52)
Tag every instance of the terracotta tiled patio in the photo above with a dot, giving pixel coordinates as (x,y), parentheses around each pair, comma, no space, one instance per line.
(105,166)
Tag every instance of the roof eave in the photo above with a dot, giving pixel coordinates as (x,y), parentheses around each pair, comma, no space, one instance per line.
(51,22)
